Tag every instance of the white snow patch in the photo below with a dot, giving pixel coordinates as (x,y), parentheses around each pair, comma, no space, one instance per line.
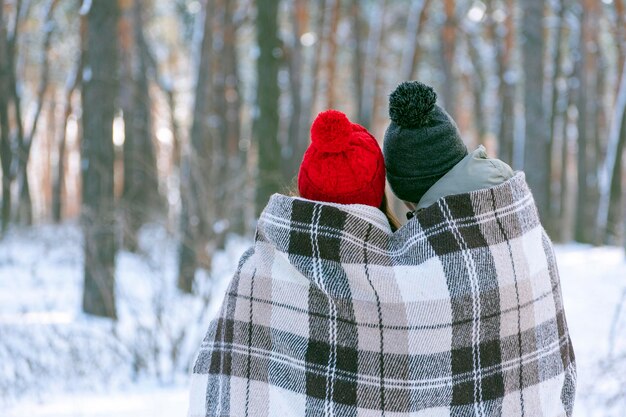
(51,353)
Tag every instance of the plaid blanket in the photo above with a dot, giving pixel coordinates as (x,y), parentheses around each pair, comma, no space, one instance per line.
(458,313)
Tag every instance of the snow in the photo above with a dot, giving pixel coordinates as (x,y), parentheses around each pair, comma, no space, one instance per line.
(153,401)
(57,362)
(593,281)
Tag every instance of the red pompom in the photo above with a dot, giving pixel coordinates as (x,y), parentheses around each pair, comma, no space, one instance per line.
(330,131)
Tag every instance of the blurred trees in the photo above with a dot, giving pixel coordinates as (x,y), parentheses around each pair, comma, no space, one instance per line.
(140,196)
(99,95)
(207,111)
(5,139)
(536,143)
(267,113)
(196,178)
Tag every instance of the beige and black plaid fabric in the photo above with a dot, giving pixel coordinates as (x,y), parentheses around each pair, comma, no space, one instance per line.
(459,313)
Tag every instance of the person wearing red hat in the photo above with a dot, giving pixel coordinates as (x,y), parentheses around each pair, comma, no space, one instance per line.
(288,341)
(344,164)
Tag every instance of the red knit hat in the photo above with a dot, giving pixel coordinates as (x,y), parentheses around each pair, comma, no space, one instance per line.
(343,164)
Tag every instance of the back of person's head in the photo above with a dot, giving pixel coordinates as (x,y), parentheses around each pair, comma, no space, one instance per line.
(422,142)
(343,164)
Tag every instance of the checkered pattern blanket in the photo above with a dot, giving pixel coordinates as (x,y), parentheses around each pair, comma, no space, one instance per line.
(458,313)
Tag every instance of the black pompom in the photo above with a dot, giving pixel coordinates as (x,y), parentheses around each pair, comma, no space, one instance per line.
(411,103)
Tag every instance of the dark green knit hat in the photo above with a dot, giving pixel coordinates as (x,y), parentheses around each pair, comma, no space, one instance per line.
(422,143)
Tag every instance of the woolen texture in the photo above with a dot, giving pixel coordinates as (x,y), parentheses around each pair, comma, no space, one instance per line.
(422,142)
(343,164)
(459,313)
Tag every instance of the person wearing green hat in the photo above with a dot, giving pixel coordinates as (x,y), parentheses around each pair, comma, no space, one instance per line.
(424,154)
(481,266)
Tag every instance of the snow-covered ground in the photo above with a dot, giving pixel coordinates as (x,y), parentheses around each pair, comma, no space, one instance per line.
(56,362)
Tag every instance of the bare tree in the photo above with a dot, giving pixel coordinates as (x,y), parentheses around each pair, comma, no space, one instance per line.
(502,37)
(612,170)
(610,208)
(537,143)
(448,53)
(331,56)
(296,140)
(235,154)
(16,131)
(316,65)
(25,210)
(414,28)
(476,80)
(266,123)
(5,140)
(570,99)
(99,93)
(228,161)
(357,26)
(140,198)
(17,139)
(196,180)
(558,114)
(12,127)
(586,69)
(370,75)
(73,82)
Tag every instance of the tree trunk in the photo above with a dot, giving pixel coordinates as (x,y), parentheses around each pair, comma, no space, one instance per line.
(370,74)
(358,57)
(616,214)
(580,234)
(557,113)
(221,179)
(73,82)
(448,52)
(380,97)
(476,80)
(564,212)
(331,56)
(50,140)
(537,144)
(140,198)
(227,161)
(611,187)
(58,188)
(5,140)
(414,27)
(570,100)
(585,224)
(12,135)
(296,143)
(268,92)
(233,215)
(316,65)
(620,33)
(24,214)
(21,155)
(502,37)
(196,180)
(99,90)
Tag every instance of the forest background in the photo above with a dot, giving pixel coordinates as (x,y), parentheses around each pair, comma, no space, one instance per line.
(184,116)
